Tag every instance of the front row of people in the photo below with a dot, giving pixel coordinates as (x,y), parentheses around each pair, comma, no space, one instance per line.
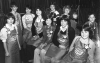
(70,49)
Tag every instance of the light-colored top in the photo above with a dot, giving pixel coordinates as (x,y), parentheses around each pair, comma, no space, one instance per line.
(4,31)
(27,20)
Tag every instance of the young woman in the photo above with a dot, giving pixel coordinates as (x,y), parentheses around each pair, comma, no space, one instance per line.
(82,48)
(27,20)
(37,26)
(18,22)
(53,14)
(9,37)
(66,13)
(92,23)
(40,52)
(62,38)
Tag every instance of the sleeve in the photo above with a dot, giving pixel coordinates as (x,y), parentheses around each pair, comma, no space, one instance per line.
(3,35)
(23,21)
(91,52)
(33,15)
(71,34)
(73,42)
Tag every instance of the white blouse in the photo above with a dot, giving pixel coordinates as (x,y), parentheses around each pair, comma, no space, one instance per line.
(26,17)
(3,32)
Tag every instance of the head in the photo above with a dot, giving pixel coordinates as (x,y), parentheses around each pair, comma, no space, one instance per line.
(86,32)
(13,7)
(75,16)
(66,9)
(38,12)
(52,7)
(28,9)
(92,17)
(64,22)
(48,21)
(10,18)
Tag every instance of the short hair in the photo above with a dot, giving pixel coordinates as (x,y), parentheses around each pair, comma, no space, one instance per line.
(13,4)
(67,20)
(10,15)
(28,6)
(87,28)
(66,7)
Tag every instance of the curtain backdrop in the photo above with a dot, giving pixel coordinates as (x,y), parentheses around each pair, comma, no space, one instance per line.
(86,6)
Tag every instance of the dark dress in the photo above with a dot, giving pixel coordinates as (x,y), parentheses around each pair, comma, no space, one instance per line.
(13,47)
(71,35)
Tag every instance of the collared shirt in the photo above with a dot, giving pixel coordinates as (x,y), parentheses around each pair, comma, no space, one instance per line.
(4,32)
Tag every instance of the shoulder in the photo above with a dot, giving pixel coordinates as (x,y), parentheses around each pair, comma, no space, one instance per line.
(92,43)
(4,29)
(77,37)
(33,15)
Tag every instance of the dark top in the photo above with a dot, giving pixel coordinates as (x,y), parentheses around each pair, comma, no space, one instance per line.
(71,35)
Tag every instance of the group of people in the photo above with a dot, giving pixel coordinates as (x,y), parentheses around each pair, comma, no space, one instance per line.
(53,37)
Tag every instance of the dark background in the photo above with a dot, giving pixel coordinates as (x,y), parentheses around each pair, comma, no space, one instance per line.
(85,7)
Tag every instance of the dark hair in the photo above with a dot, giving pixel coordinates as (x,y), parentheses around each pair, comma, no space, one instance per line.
(87,28)
(28,6)
(10,15)
(13,4)
(67,20)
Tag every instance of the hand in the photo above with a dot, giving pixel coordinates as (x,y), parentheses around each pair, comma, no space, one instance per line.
(7,53)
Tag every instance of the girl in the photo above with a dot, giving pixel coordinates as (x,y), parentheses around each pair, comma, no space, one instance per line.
(10,40)
(82,48)
(48,31)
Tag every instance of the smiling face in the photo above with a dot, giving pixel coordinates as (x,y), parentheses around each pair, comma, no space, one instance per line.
(28,10)
(14,8)
(52,7)
(48,22)
(64,23)
(67,10)
(38,12)
(85,34)
(91,18)
(10,20)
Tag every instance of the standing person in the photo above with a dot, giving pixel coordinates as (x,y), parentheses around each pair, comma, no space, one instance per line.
(53,14)
(92,23)
(40,51)
(66,13)
(9,37)
(18,22)
(28,49)
(27,20)
(82,48)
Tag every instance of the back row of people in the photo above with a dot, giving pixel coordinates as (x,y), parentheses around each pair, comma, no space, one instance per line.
(54,34)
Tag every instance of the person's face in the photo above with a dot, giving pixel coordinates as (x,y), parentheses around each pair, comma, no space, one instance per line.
(85,34)
(10,20)
(67,11)
(48,21)
(91,18)
(64,23)
(75,16)
(38,12)
(52,7)
(28,10)
(14,8)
